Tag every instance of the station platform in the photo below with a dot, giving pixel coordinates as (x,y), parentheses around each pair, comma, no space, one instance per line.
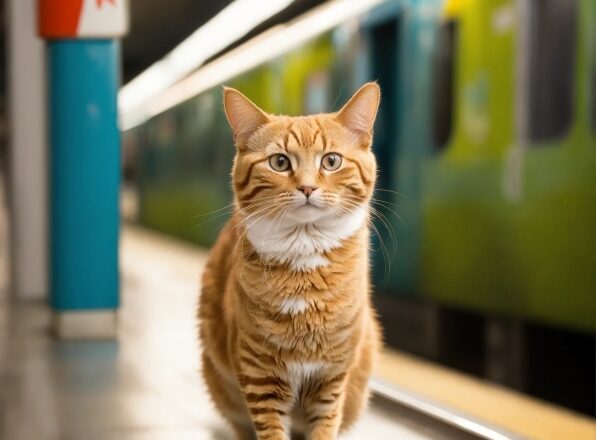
(145,385)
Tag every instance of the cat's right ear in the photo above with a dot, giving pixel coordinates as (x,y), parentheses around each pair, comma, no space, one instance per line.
(244,116)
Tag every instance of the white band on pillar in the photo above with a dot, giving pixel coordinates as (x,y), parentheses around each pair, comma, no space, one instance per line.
(96,324)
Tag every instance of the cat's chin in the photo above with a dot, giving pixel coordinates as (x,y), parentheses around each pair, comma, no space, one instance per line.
(307,214)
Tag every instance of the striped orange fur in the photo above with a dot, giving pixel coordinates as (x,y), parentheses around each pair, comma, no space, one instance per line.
(288,332)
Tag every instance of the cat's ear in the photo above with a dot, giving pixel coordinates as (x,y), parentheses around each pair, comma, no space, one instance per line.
(244,116)
(359,114)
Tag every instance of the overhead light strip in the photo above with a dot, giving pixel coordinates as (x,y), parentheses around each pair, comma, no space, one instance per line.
(228,26)
(256,51)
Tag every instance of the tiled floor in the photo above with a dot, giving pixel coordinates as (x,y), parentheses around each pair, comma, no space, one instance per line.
(144,386)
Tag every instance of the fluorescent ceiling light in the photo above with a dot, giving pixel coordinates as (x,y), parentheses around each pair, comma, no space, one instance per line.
(231,24)
(266,46)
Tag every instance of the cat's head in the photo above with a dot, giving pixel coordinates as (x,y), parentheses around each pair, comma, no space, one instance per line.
(303,169)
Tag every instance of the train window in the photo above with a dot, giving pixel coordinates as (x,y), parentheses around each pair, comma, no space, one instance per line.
(443,84)
(553,29)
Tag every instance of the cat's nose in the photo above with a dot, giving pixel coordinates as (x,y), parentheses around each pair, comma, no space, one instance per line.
(307,190)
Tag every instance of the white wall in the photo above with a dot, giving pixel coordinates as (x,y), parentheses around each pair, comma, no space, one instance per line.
(27,163)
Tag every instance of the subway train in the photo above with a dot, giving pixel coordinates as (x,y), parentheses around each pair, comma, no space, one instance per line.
(484,244)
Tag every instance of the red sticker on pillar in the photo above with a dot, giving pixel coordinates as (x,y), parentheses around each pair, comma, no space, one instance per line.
(83,18)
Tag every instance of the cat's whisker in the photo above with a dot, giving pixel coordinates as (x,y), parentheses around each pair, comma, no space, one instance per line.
(385,205)
(258,203)
(384,251)
(228,206)
(391,191)
(263,201)
(246,217)
(381,217)
(387,267)
(386,258)
(232,205)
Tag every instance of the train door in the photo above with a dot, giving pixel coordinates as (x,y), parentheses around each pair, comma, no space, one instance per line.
(383,53)
(384,70)
(401,54)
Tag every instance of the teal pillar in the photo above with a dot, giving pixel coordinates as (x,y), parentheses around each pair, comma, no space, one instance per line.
(84,185)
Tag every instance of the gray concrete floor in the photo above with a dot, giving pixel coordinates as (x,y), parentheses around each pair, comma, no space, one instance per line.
(145,385)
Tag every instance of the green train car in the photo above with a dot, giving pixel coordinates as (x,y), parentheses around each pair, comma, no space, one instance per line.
(486,142)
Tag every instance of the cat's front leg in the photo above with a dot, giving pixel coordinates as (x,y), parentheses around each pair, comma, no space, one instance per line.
(325,407)
(268,397)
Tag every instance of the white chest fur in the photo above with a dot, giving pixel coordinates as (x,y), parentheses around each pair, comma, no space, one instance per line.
(293,306)
(302,245)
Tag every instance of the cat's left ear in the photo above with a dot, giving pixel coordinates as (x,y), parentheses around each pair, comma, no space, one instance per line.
(359,114)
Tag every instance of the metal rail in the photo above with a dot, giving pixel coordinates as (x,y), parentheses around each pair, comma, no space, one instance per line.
(439,412)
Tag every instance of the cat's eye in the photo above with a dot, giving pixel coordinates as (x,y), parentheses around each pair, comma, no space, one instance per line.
(280,162)
(331,161)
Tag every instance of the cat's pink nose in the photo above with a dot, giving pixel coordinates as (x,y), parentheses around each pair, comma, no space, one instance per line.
(307,190)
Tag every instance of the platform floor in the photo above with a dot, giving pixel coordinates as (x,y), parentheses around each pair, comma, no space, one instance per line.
(144,386)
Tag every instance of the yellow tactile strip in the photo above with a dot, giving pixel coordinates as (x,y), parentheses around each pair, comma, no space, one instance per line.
(482,400)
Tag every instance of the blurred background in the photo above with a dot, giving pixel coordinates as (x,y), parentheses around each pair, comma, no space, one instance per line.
(484,254)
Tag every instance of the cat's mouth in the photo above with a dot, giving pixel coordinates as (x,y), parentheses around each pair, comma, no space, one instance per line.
(308,211)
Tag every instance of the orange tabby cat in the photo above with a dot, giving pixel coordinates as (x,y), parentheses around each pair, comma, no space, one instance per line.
(288,331)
